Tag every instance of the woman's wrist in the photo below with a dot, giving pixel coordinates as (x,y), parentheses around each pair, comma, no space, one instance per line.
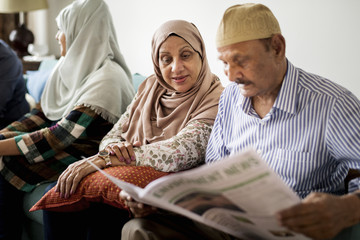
(98,161)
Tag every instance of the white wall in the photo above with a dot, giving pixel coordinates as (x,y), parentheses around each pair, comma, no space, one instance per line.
(322,36)
(42,24)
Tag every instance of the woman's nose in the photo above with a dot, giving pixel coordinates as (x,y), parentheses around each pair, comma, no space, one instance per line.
(177,65)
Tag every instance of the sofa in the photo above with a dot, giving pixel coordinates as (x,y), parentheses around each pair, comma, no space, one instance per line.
(33,223)
(35,82)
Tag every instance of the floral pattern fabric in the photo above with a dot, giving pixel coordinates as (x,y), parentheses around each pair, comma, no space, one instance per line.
(183,151)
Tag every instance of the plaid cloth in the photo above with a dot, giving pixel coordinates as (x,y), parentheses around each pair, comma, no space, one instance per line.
(48,147)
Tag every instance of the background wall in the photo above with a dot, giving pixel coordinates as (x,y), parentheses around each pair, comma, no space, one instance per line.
(322,36)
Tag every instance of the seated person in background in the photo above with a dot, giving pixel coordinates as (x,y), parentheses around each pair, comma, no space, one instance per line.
(86,94)
(13,104)
(166,127)
(304,126)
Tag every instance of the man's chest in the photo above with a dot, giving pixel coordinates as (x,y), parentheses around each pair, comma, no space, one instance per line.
(277,130)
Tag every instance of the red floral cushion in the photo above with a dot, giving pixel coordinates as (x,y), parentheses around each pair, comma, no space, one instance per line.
(97,188)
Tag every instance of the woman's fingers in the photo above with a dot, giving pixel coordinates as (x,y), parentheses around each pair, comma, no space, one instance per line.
(110,150)
(124,151)
(71,177)
(115,148)
(123,148)
(130,153)
(65,180)
(62,181)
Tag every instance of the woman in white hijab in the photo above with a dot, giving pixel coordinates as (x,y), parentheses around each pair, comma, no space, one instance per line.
(84,96)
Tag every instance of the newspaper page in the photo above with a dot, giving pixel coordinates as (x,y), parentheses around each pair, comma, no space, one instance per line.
(239,195)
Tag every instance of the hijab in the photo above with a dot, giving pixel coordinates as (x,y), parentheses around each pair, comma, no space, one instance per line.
(93,72)
(159,112)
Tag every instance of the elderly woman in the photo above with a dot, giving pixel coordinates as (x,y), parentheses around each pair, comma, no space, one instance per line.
(170,118)
(85,95)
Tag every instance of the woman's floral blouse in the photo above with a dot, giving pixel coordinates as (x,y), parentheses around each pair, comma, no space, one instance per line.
(183,151)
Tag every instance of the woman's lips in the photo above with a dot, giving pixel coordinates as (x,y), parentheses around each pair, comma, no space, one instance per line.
(179,79)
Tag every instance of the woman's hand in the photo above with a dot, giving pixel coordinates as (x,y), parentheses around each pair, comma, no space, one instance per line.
(124,151)
(137,209)
(3,130)
(70,178)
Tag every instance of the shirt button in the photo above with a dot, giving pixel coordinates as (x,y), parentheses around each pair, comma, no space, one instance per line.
(259,151)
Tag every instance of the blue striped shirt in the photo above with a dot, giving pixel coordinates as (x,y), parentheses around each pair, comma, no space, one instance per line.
(310,137)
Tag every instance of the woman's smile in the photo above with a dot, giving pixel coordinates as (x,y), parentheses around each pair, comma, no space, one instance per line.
(179,79)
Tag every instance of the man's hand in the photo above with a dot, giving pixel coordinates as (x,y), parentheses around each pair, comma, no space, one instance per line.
(137,209)
(321,215)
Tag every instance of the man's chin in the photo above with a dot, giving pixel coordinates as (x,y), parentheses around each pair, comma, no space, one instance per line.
(243,90)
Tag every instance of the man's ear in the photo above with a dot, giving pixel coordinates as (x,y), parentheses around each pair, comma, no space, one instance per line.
(278,45)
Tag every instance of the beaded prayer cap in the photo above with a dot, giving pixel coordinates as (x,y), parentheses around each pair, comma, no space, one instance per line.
(246,22)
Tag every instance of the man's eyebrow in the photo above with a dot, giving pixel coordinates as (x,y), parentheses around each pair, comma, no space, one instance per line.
(221,57)
(239,57)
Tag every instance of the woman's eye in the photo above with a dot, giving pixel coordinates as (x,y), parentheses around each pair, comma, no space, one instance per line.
(186,55)
(166,60)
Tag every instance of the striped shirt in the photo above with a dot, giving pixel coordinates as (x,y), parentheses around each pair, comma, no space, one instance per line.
(310,137)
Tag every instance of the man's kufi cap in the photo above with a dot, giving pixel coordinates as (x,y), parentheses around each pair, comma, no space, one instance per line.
(246,22)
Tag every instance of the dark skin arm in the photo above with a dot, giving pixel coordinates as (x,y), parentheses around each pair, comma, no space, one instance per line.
(322,215)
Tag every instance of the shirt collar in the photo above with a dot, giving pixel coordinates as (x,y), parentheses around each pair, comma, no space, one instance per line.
(244,102)
(287,97)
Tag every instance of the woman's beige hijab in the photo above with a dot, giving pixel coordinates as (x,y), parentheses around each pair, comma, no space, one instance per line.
(93,72)
(160,112)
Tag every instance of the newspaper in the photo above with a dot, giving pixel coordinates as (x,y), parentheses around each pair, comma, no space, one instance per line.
(238,195)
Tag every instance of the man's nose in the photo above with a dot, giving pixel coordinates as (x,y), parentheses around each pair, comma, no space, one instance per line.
(232,73)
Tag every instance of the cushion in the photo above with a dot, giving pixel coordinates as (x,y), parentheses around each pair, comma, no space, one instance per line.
(36,79)
(47,64)
(137,80)
(30,198)
(98,188)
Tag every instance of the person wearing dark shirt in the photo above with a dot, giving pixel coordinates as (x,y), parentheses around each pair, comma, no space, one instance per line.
(13,104)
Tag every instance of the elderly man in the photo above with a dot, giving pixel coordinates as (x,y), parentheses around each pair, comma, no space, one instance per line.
(305,126)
